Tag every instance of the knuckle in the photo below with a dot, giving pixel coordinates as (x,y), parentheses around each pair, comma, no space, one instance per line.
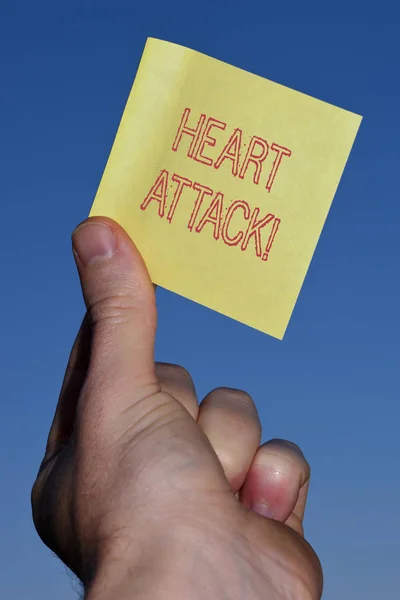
(173,371)
(238,406)
(291,450)
(115,308)
(240,397)
(244,425)
(290,446)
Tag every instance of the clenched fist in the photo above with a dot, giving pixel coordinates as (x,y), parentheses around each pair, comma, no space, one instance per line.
(146,494)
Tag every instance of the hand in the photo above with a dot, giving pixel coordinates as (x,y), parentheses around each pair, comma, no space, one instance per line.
(146,495)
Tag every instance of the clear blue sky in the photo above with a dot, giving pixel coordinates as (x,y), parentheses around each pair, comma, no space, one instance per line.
(332,385)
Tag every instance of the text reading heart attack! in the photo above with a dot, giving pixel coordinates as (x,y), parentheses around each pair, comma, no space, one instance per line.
(235,223)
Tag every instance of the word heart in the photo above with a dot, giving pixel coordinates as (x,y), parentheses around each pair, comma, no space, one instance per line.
(256,153)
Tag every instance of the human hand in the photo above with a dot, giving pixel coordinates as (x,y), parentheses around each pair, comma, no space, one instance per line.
(144,494)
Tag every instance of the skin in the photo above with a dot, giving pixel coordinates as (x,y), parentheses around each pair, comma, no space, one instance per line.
(145,493)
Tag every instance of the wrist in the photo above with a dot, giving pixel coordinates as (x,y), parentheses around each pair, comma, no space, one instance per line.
(180,558)
(144,570)
(124,575)
(182,567)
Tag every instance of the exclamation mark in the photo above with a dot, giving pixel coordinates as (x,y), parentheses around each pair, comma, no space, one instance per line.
(274,231)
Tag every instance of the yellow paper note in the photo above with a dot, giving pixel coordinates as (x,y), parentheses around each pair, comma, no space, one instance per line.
(224,180)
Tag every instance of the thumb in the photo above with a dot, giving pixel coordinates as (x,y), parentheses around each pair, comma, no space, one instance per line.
(120,301)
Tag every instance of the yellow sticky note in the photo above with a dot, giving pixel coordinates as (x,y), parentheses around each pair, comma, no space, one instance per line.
(224,180)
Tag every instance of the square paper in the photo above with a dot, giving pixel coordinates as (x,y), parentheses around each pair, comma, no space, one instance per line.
(224,180)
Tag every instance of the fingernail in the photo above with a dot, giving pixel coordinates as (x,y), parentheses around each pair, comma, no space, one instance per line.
(262,509)
(93,241)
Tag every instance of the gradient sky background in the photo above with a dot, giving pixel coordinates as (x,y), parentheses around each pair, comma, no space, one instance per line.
(331,385)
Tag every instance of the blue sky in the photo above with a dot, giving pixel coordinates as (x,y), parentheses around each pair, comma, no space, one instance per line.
(331,385)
